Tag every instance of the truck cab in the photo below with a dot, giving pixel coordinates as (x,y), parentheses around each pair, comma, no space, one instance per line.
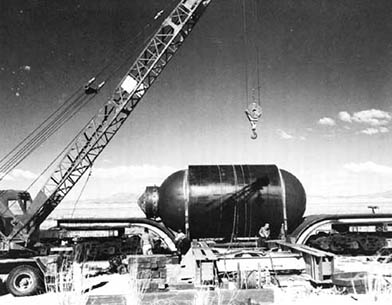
(13,206)
(21,272)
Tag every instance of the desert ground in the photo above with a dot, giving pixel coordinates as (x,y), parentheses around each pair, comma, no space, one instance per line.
(121,289)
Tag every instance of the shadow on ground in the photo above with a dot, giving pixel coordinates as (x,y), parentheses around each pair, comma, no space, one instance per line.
(99,285)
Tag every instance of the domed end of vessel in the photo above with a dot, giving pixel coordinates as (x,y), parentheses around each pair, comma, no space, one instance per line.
(173,199)
(148,202)
(295,199)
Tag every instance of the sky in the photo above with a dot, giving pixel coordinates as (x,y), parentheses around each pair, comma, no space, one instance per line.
(323,69)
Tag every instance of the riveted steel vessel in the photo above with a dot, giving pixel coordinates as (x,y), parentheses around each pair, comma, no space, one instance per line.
(212,201)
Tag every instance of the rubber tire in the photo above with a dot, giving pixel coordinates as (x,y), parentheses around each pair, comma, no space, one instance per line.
(122,269)
(25,271)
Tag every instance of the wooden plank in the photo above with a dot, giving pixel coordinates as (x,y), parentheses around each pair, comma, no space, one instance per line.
(203,254)
(306,249)
(264,296)
(106,300)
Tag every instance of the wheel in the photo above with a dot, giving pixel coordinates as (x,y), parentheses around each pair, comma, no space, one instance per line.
(336,247)
(371,244)
(319,241)
(24,280)
(122,269)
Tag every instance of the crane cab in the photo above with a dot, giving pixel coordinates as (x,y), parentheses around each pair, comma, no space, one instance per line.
(13,205)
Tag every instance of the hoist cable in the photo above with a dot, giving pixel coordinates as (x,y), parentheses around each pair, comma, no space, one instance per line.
(63,114)
(81,192)
(119,66)
(51,164)
(41,137)
(35,130)
(139,39)
(54,123)
(258,56)
(61,154)
(245,41)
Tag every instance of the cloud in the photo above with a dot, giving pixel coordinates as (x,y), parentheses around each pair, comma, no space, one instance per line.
(372,117)
(104,181)
(327,121)
(370,131)
(110,181)
(369,167)
(107,161)
(133,171)
(19,174)
(375,121)
(345,116)
(284,135)
(375,130)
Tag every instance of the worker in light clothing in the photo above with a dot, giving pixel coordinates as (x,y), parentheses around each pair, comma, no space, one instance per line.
(179,241)
(180,236)
(264,234)
(147,242)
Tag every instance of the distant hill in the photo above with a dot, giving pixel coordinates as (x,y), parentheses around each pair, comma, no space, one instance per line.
(372,196)
(349,204)
(122,205)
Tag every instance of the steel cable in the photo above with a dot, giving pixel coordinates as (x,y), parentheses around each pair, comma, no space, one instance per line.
(64,113)
(42,136)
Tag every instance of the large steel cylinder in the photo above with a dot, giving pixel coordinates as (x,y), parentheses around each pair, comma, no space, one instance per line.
(212,201)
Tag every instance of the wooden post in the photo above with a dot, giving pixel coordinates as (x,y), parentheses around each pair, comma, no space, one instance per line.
(239,280)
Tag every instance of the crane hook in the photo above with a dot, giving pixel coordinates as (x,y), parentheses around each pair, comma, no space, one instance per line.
(253,135)
(253,113)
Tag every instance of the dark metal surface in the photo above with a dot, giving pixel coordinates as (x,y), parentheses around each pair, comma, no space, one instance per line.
(13,205)
(345,233)
(230,200)
(213,213)
(148,202)
(85,223)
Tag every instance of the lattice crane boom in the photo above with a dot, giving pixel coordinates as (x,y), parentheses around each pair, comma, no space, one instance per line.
(96,135)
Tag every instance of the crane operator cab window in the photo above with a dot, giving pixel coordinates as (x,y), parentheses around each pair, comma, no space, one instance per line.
(13,204)
(19,205)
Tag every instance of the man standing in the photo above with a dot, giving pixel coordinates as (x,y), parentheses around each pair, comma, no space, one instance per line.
(181,242)
(147,242)
(264,234)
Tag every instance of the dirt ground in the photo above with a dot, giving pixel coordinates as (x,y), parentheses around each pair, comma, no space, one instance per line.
(293,290)
(101,285)
(119,285)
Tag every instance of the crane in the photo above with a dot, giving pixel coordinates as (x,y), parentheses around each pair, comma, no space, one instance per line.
(17,231)
(96,135)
